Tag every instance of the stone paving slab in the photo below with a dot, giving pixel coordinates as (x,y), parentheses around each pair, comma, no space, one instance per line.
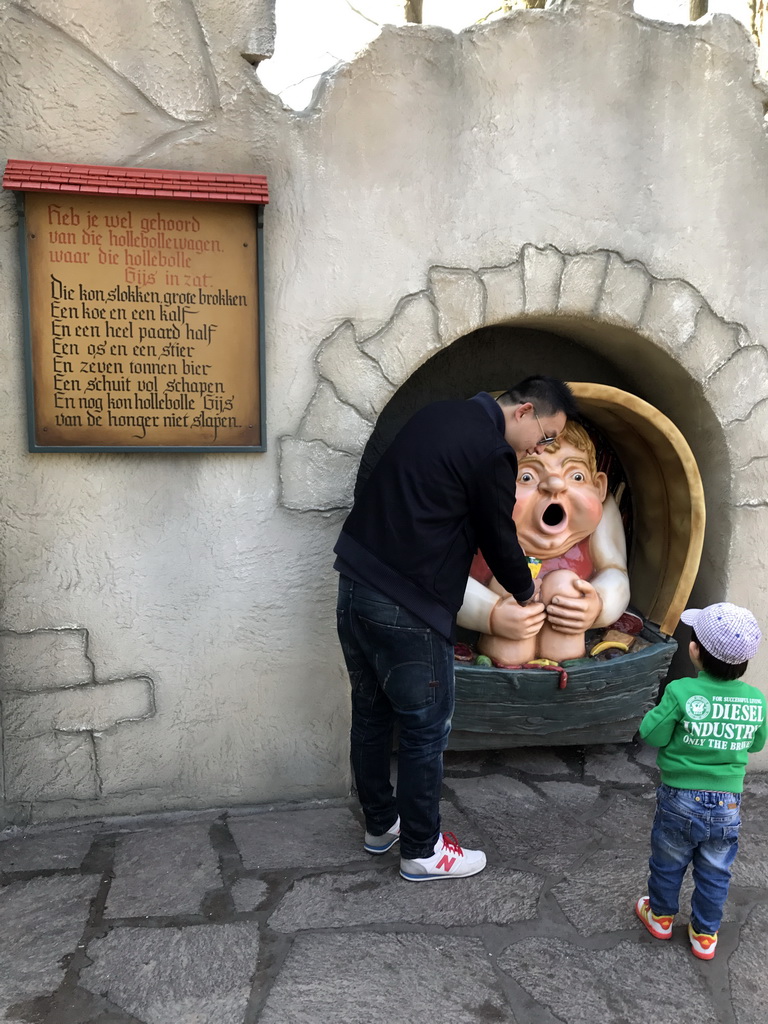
(248,893)
(249,917)
(49,851)
(320,838)
(754,806)
(626,817)
(755,785)
(610,906)
(750,868)
(747,969)
(541,761)
(619,814)
(41,921)
(631,982)
(195,975)
(360,978)
(454,818)
(302,838)
(530,760)
(163,871)
(643,754)
(603,766)
(516,819)
(583,800)
(74,1005)
(496,896)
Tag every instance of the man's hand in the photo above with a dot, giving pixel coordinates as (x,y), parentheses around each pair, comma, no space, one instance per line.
(514,621)
(575,614)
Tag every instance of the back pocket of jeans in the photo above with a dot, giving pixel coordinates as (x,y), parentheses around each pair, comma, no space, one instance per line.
(674,828)
(404,662)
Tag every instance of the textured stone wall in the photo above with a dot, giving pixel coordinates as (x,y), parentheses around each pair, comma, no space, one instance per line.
(168,620)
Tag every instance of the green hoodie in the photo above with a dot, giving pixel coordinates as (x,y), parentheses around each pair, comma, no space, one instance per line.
(706,729)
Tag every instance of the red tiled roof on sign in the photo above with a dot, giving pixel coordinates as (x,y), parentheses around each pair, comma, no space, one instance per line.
(89,179)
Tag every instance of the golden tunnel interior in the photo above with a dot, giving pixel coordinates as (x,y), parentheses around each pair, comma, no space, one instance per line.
(667,497)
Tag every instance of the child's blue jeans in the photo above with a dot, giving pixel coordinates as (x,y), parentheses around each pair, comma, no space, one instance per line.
(696,826)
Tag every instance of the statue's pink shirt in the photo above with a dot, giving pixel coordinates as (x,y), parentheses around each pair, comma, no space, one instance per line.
(577,559)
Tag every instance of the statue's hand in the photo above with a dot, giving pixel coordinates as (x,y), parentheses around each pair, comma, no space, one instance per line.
(514,622)
(575,614)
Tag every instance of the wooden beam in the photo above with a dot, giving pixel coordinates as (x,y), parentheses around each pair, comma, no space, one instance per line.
(413,11)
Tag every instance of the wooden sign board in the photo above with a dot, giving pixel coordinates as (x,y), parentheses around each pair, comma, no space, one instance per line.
(144,324)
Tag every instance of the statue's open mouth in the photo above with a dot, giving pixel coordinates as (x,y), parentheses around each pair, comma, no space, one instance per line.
(554,515)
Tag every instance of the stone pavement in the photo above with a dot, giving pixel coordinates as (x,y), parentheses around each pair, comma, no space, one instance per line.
(277,916)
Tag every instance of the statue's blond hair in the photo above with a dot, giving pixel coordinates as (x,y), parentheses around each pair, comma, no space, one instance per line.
(575,435)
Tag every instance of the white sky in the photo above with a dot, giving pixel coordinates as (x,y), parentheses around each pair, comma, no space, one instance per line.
(313,35)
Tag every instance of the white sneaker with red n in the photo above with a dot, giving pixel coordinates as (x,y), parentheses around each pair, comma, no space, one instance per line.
(448,861)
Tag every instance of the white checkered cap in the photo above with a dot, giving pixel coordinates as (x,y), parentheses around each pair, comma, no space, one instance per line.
(727,631)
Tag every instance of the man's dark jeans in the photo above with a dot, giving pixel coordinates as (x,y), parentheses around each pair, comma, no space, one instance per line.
(400,670)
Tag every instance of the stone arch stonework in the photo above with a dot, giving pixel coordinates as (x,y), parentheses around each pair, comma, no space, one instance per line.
(357,377)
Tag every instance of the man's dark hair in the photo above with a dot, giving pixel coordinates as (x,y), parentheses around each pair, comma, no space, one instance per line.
(548,396)
(714,667)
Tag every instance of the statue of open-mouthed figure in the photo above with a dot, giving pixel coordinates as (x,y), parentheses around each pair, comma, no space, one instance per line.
(570,527)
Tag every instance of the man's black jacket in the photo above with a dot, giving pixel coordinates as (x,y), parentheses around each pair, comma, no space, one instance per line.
(444,488)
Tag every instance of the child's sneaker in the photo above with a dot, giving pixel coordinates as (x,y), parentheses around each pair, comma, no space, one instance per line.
(703,945)
(380,844)
(448,861)
(660,926)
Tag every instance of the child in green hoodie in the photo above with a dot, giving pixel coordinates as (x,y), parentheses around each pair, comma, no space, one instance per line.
(705,727)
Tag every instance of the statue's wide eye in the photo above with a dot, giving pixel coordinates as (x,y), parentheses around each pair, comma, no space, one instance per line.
(578,477)
(525,478)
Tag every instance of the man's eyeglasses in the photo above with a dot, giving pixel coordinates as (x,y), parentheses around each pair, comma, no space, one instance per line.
(545,440)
